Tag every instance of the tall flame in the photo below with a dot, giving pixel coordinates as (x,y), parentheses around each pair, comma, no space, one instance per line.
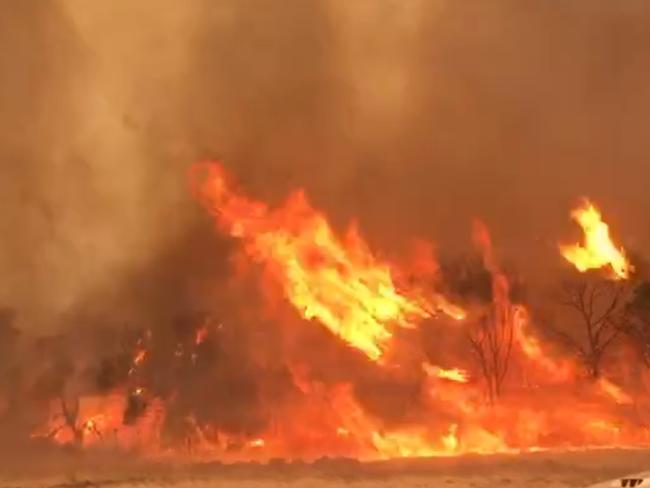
(337,281)
(597,250)
(537,398)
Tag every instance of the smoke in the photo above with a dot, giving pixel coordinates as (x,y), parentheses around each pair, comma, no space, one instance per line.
(412,117)
(417,116)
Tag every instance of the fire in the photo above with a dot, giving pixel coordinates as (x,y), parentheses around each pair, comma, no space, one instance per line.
(491,383)
(139,357)
(200,335)
(557,371)
(453,374)
(450,440)
(615,392)
(404,444)
(99,419)
(597,250)
(336,281)
(385,443)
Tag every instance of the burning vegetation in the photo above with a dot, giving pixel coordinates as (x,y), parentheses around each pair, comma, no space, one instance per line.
(347,352)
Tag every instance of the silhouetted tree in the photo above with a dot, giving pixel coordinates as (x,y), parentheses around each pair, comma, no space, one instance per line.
(70,413)
(466,277)
(600,306)
(491,341)
(492,338)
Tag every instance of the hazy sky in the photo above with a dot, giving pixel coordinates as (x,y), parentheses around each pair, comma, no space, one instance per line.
(413,116)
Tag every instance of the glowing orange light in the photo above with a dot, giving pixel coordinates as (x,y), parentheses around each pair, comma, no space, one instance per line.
(597,250)
(336,281)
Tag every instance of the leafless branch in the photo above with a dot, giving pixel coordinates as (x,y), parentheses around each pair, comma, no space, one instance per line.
(601,309)
(492,343)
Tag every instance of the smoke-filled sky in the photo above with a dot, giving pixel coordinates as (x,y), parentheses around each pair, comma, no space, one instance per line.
(412,116)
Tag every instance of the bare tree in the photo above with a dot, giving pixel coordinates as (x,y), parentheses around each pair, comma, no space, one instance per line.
(492,342)
(600,306)
(70,414)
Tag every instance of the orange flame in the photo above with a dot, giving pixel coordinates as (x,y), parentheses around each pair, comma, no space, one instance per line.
(450,440)
(597,250)
(338,282)
(140,355)
(615,392)
(364,301)
(257,443)
(200,335)
(453,374)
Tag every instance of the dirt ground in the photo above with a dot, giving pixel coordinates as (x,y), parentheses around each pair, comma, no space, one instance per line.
(543,470)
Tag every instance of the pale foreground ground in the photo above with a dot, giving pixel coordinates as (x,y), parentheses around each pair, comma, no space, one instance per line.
(541,470)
